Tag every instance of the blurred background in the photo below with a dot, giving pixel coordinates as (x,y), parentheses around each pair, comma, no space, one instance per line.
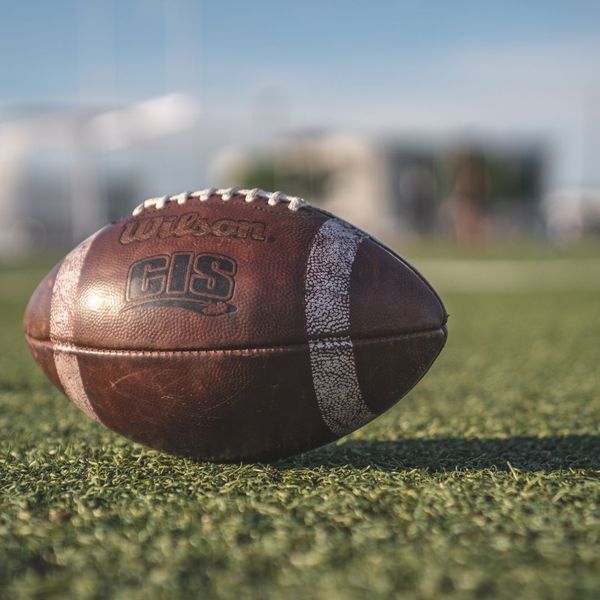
(434,124)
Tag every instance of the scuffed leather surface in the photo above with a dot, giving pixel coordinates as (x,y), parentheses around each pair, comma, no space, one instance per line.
(254,404)
(237,385)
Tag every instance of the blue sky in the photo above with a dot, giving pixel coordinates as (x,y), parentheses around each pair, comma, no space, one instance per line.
(511,68)
(45,47)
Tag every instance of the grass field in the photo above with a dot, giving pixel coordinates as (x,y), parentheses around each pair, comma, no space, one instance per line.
(483,482)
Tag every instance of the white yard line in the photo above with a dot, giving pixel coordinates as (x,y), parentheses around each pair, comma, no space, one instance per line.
(511,275)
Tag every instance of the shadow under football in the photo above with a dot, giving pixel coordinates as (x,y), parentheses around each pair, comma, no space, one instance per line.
(524,453)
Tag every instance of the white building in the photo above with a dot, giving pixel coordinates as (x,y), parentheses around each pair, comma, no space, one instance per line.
(57,183)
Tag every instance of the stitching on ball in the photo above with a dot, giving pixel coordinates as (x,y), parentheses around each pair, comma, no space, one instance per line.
(294,203)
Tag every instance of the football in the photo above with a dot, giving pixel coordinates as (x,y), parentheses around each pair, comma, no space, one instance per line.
(234,325)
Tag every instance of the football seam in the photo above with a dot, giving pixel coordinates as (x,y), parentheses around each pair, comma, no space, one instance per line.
(334,340)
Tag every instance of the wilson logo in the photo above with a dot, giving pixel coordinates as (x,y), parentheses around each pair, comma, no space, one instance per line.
(203,283)
(190,224)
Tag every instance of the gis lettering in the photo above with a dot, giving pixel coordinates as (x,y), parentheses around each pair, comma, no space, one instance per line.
(203,283)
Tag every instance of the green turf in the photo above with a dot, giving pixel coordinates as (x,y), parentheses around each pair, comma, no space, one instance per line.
(483,482)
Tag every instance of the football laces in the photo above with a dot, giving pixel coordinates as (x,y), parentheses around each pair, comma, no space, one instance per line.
(273,198)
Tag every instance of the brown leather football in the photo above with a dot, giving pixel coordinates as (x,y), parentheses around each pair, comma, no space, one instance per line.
(234,325)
